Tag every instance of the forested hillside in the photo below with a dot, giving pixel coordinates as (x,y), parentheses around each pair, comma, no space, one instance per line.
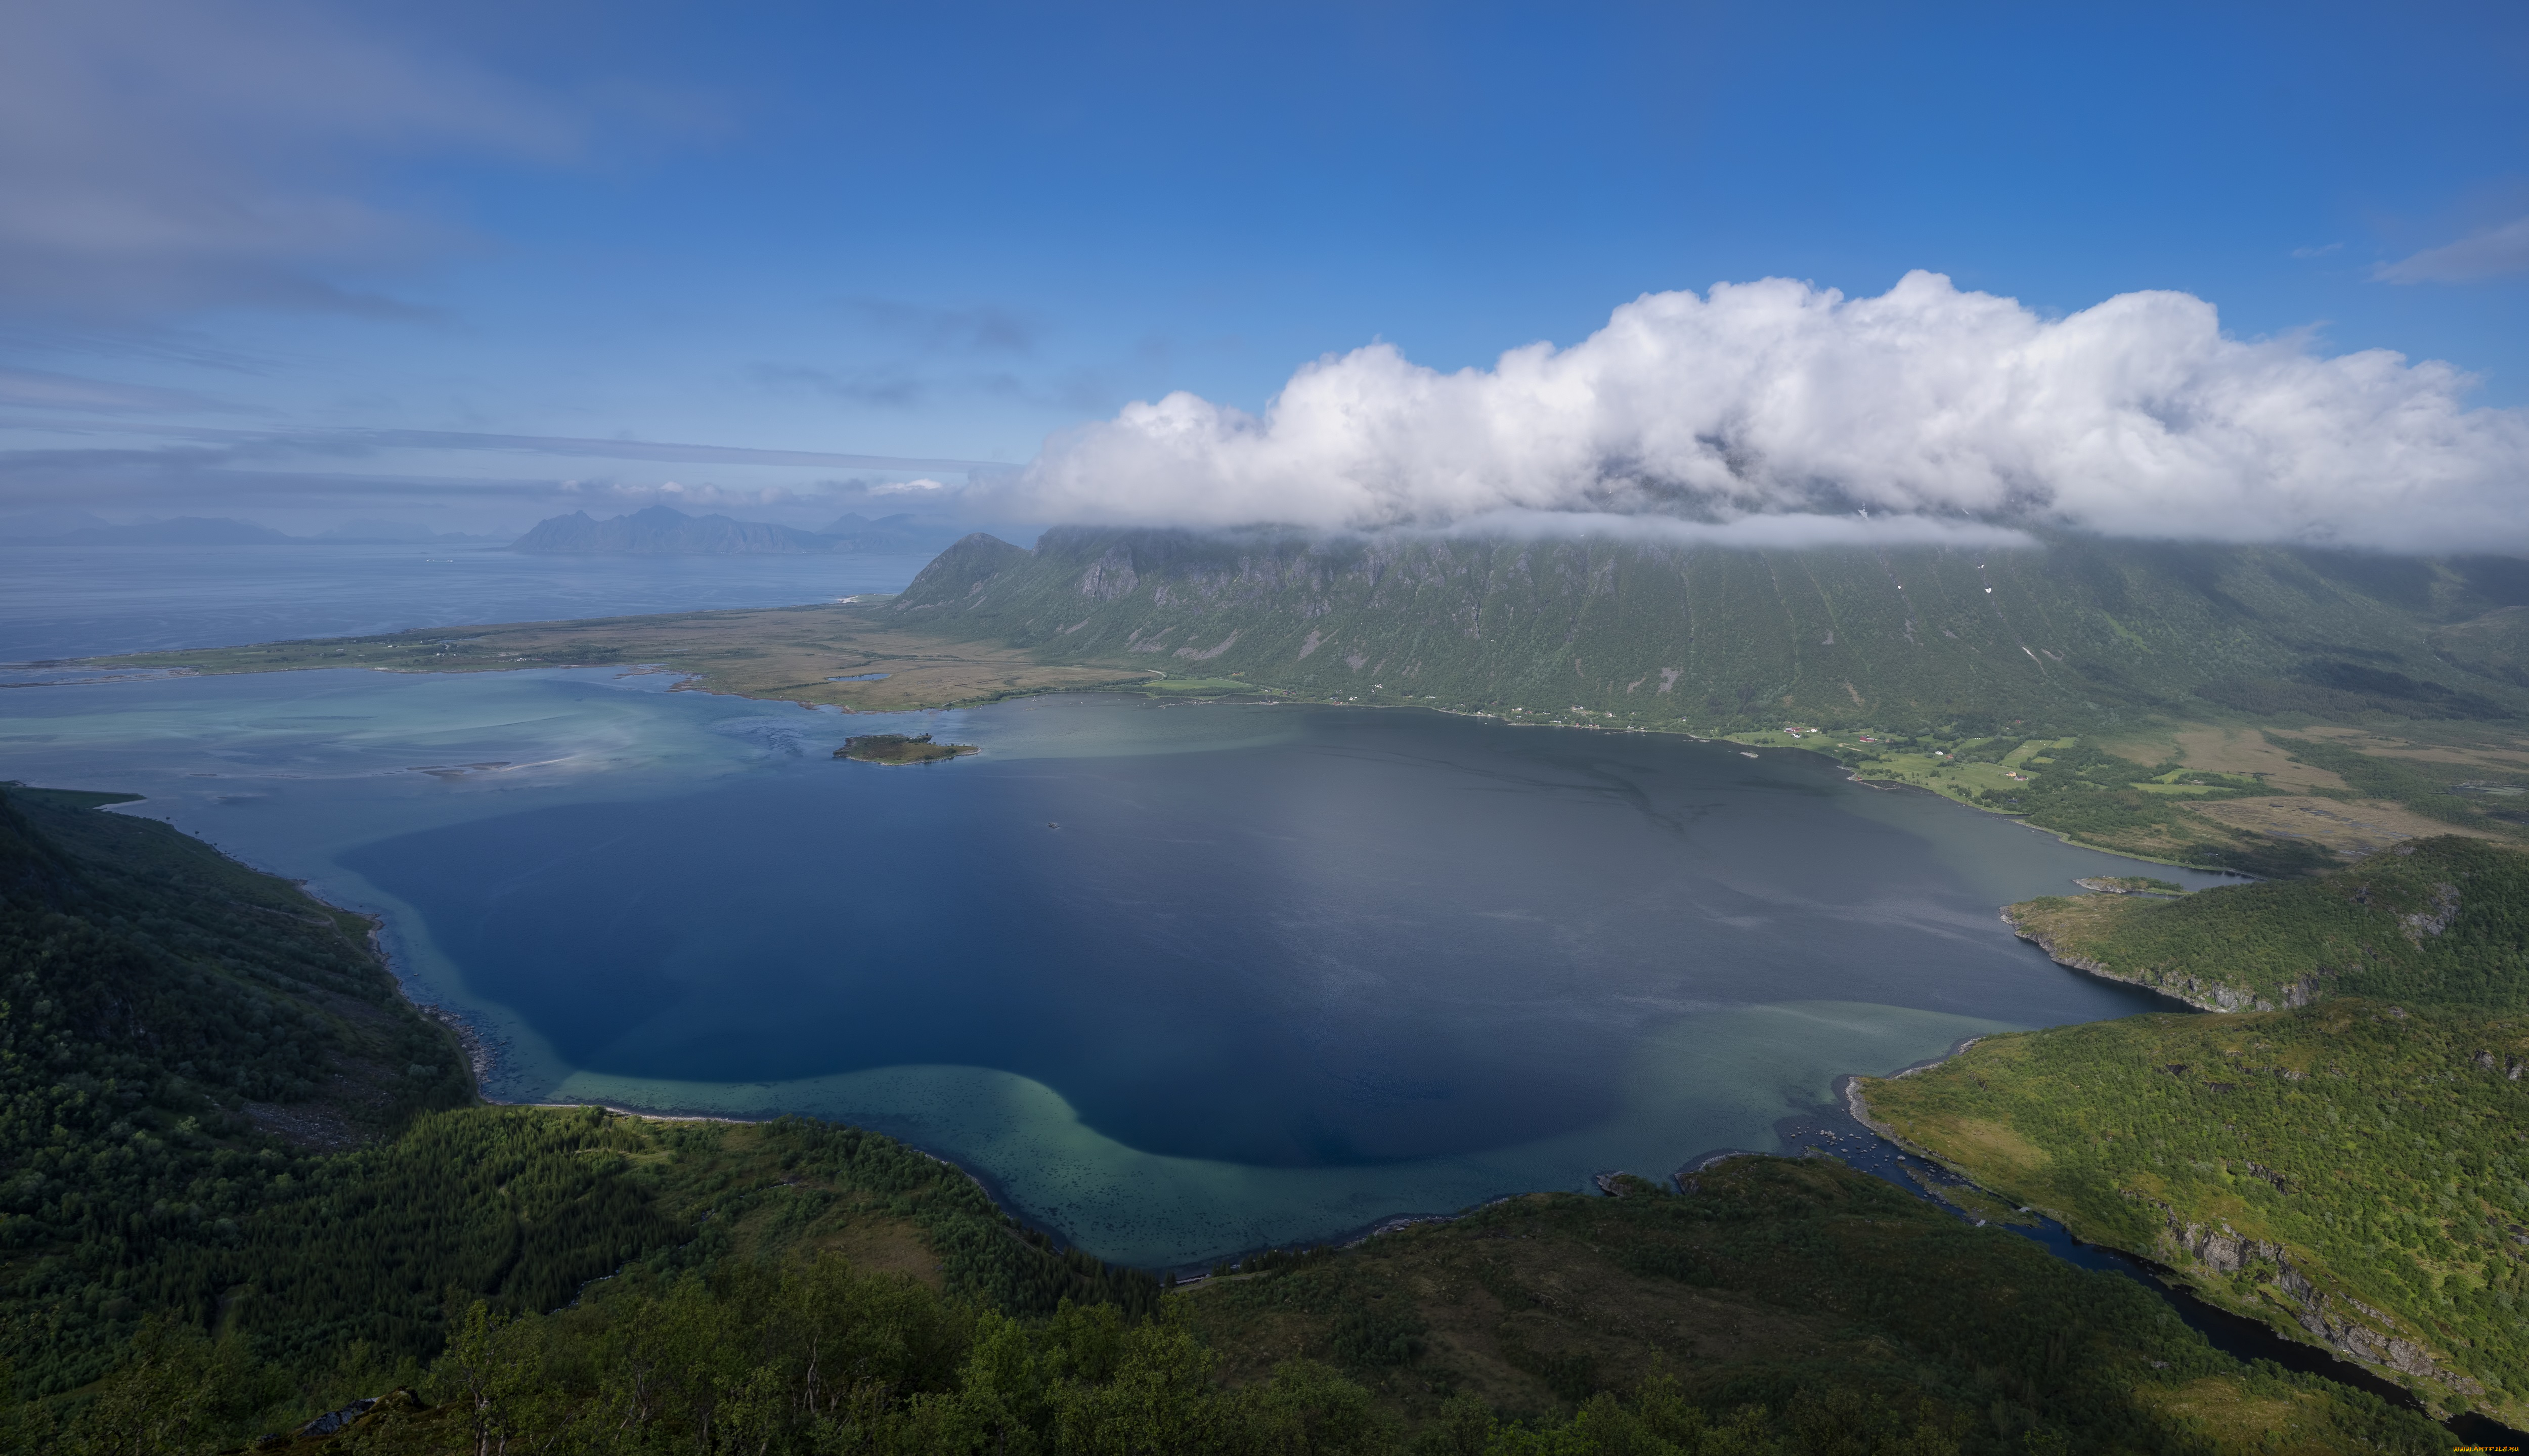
(2349,1160)
(2078,634)
(2438,921)
(178,1035)
(1776,1308)
(514,1278)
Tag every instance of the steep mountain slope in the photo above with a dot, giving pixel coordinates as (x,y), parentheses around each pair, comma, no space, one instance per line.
(176,1032)
(2081,632)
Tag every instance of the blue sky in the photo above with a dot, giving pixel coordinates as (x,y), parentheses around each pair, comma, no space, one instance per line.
(260,254)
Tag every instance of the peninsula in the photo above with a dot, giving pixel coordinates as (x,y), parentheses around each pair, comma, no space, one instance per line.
(2340,1148)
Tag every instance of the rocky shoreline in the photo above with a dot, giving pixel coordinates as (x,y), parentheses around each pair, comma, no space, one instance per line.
(2201,994)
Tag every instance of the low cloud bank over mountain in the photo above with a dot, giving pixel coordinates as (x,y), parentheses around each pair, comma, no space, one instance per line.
(1786,411)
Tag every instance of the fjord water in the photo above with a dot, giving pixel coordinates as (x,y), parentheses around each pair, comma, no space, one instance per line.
(1178,980)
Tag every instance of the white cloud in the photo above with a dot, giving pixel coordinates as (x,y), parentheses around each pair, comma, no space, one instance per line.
(2490,253)
(1788,530)
(2135,417)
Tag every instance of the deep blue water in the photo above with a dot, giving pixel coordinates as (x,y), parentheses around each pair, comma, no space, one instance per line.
(1387,935)
(1179,979)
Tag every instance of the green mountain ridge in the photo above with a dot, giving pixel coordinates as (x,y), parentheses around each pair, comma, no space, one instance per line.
(2078,634)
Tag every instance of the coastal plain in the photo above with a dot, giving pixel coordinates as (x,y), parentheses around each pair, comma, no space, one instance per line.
(844,655)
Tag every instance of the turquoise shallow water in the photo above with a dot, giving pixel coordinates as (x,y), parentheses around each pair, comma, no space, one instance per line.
(1731,1073)
(1178,980)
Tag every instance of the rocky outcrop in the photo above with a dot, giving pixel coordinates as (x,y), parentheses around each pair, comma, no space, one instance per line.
(1110,577)
(2510,1068)
(2435,918)
(2342,1323)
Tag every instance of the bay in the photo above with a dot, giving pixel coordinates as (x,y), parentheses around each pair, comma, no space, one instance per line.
(1178,980)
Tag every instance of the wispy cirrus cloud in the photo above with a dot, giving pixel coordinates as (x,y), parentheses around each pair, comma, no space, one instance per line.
(42,389)
(887,386)
(210,469)
(981,328)
(156,159)
(2490,252)
(640,450)
(925,355)
(266,444)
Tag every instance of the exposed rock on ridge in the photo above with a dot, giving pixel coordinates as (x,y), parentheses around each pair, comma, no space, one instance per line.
(2366,1334)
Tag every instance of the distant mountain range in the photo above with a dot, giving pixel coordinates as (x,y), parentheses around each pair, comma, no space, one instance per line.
(662,530)
(2075,635)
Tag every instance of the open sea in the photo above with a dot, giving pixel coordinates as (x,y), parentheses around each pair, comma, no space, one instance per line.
(86,601)
(1177,980)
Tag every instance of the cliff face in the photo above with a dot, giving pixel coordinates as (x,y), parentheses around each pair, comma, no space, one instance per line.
(2076,631)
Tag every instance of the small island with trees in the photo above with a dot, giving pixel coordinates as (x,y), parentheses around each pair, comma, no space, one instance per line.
(902,748)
